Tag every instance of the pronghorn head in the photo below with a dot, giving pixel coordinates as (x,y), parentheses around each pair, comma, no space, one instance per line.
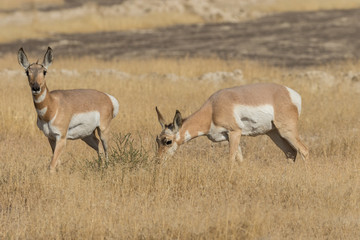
(35,72)
(168,139)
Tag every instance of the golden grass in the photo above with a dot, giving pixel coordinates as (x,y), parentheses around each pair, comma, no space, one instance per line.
(196,194)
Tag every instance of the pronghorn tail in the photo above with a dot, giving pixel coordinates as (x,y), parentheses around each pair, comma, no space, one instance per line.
(115,104)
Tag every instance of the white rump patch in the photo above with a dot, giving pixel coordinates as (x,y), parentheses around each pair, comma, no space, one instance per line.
(41,112)
(115,104)
(295,99)
(254,120)
(41,97)
(83,124)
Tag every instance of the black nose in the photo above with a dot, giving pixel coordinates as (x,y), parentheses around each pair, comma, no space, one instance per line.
(36,87)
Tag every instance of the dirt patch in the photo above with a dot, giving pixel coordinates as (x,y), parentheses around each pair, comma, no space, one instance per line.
(288,39)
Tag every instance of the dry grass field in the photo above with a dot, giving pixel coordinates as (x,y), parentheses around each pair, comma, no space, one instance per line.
(196,194)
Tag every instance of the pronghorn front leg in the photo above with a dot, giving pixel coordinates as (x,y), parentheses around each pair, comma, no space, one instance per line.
(234,143)
(52,144)
(59,146)
(239,155)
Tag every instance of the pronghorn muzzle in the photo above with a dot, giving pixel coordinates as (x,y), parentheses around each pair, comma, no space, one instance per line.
(35,88)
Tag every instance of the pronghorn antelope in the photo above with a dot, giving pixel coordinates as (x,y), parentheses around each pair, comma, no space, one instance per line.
(250,110)
(68,114)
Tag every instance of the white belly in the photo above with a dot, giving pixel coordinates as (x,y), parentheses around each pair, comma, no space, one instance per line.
(254,120)
(83,124)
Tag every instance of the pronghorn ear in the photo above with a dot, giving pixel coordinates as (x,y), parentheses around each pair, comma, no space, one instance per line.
(177,120)
(160,118)
(48,58)
(22,58)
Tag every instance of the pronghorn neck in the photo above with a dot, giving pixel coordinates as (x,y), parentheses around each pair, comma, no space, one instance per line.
(197,124)
(38,98)
(44,104)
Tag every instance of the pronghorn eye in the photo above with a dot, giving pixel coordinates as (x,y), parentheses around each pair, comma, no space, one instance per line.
(45,72)
(27,72)
(168,142)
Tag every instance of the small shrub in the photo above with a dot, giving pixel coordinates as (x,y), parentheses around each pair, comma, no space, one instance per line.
(125,154)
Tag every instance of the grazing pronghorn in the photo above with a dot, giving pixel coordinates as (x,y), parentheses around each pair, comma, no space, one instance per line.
(250,110)
(68,114)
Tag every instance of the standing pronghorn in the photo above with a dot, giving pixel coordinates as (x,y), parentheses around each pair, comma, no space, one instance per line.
(256,109)
(68,114)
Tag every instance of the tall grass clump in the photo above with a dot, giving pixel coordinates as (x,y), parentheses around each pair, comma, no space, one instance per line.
(125,155)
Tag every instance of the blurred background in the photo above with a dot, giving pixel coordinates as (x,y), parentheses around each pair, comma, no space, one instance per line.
(299,32)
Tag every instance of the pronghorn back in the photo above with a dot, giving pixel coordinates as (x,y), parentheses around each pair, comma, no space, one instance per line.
(256,95)
(87,100)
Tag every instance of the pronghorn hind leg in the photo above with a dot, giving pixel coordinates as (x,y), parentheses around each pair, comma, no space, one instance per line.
(93,142)
(59,146)
(301,148)
(283,144)
(304,151)
(103,134)
(234,144)
(290,133)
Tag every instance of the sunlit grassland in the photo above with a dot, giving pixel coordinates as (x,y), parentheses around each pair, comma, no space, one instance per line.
(196,194)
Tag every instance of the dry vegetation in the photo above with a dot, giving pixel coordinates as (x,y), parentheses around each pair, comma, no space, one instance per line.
(195,195)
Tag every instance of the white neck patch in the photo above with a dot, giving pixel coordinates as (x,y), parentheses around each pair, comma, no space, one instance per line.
(177,136)
(187,136)
(171,151)
(41,97)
